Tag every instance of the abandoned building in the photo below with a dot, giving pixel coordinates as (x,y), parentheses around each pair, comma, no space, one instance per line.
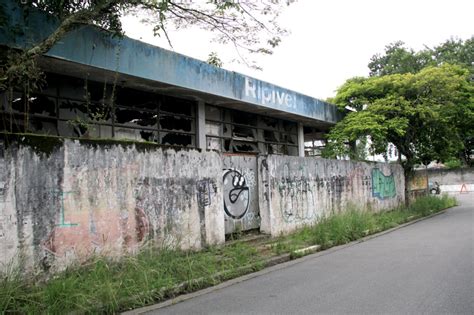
(102,86)
(237,160)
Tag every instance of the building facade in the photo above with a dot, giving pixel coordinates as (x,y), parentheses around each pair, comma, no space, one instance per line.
(128,144)
(98,85)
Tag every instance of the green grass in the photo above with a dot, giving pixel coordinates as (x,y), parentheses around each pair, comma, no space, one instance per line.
(354,224)
(106,286)
(109,286)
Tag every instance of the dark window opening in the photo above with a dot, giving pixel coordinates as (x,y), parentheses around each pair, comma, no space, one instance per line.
(177,106)
(243,132)
(238,147)
(269,122)
(74,107)
(149,136)
(288,139)
(177,139)
(130,116)
(37,104)
(244,118)
(227,145)
(213,113)
(176,123)
(43,105)
(136,99)
(290,127)
(270,136)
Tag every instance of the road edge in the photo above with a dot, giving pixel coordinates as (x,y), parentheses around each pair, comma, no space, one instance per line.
(274,264)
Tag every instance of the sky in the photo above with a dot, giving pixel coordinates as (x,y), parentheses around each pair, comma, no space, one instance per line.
(330,41)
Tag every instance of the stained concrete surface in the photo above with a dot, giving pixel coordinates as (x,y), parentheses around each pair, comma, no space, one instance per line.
(424,268)
(296,191)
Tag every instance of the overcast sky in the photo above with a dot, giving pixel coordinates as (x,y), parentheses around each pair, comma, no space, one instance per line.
(332,40)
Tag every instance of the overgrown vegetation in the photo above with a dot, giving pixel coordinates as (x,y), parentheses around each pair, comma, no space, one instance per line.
(453,164)
(355,223)
(107,286)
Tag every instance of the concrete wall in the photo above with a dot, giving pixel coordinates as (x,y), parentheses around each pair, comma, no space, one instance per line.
(62,201)
(297,191)
(83,200)
(453,180)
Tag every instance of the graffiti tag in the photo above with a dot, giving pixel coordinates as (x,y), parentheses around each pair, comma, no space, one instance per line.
(383,186)
(236,194)
(203,193)
(297,200)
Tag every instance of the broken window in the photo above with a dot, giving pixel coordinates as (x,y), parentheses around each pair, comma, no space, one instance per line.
(243,133)
(238,132)
(240,146)
(270,136)
(177,121)
(77,107)
(314,141)
(174,138)
(34,113)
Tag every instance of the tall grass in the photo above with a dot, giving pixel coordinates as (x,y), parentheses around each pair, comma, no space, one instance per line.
(106,286)
(355,223)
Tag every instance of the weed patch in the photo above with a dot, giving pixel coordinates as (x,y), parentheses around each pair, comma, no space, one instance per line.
(110,286)
(107,286)
(355,223)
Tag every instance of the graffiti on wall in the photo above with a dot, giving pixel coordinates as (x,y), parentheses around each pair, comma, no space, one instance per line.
(62,216)
(297,199)
(383,186)
(203,191)
(236,194)
(203,188)
(419,182)
(154,208)
(98,230)
(164,201)
(87,225)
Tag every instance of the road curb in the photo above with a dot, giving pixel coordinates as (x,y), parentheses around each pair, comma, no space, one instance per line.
(274,264)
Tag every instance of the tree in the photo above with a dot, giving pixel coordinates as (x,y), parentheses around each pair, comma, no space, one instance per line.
(418,113)
(399,59)
(213,59)
(237,22)
(455,51)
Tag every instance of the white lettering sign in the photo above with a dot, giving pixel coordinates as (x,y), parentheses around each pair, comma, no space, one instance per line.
(266,96)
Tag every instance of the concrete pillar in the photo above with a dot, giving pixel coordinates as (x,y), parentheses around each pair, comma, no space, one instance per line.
(201,126)
(300,140)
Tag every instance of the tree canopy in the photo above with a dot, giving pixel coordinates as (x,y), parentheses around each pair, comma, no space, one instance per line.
(423,114)
(399,59)
(421,102)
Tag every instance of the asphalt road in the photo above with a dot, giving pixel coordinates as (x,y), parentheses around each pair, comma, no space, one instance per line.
(423,268)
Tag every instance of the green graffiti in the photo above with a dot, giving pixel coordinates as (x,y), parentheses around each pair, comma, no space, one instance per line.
(62,220)
(383,187)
